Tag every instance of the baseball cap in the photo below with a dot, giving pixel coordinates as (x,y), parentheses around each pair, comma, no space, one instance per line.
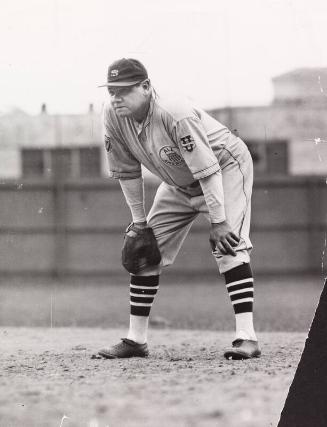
(125,72)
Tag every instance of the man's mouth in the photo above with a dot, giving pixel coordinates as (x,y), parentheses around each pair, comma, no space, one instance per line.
(121,109)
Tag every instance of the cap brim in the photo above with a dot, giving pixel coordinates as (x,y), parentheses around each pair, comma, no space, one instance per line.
(120,84)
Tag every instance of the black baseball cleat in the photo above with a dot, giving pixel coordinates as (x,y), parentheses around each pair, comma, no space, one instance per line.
(243,349)
(126,348)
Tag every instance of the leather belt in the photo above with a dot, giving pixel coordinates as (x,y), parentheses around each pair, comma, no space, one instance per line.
(193,189)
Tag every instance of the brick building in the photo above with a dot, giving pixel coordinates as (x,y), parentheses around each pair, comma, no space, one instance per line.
(47,144)
(285,137)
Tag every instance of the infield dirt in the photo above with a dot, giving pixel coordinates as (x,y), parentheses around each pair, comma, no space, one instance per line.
(49,379)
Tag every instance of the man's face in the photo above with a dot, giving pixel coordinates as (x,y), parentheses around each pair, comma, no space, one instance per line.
(128,101)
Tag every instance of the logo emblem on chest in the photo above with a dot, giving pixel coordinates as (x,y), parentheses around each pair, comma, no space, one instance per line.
(171,156)
(187,143)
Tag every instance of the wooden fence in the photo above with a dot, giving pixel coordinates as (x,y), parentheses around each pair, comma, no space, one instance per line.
(75,228)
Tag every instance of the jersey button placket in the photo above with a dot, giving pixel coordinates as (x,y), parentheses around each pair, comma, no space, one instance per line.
(143,140)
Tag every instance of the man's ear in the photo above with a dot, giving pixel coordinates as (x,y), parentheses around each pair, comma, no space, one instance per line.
(146,84)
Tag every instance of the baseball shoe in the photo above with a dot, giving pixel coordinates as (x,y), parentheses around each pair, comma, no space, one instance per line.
(243,349)
(126,348)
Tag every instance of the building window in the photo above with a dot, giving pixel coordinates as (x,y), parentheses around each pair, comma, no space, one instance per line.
(269,157)
(259,157)
(63,163)
(277,158)
(32,162)
(89,162)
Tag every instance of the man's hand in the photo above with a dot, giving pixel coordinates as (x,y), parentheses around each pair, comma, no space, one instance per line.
(223,238)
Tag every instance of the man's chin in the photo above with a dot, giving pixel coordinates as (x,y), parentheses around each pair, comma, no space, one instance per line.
(122,112)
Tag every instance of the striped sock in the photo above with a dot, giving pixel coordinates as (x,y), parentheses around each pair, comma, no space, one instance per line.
(239,284)
(142,292)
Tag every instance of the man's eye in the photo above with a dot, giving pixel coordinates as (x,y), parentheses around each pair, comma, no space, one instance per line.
(122,91)
(119,92)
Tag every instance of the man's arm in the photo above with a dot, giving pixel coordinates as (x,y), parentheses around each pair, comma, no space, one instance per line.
(133,190)
(222,236)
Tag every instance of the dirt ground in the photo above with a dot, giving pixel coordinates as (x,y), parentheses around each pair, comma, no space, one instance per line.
(49,379)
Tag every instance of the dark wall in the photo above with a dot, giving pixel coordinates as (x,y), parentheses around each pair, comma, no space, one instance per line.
(76,228)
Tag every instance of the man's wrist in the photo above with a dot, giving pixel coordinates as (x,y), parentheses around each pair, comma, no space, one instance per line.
(215,222)
(217,216)
(141,224)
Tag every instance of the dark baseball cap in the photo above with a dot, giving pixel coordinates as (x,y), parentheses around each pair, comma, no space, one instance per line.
(125,72)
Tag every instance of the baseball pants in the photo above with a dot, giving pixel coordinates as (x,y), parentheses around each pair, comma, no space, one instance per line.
(174,210)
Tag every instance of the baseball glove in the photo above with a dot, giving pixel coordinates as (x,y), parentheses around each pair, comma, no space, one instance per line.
(140,249)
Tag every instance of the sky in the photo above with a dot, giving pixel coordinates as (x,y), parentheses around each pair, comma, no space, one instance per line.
(216,52)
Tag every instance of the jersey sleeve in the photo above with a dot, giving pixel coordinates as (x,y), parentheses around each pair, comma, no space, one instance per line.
(213,192)
(194,146)
(122,164)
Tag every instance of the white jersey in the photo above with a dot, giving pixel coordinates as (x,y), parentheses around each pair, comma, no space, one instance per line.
(177,142)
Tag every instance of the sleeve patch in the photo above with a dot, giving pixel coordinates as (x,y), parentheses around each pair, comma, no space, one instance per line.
(188,143)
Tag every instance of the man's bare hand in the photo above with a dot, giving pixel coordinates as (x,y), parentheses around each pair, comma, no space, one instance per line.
(223,238)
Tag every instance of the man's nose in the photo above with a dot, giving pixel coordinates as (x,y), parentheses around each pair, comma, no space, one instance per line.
(115,96)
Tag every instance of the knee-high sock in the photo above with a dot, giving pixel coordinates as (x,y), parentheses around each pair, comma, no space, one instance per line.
(239,284)
(142,292)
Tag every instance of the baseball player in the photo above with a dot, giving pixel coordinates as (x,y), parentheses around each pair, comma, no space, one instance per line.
(204,168)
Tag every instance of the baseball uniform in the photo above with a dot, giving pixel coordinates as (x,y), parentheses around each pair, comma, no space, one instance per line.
(204,168)
(181,144)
